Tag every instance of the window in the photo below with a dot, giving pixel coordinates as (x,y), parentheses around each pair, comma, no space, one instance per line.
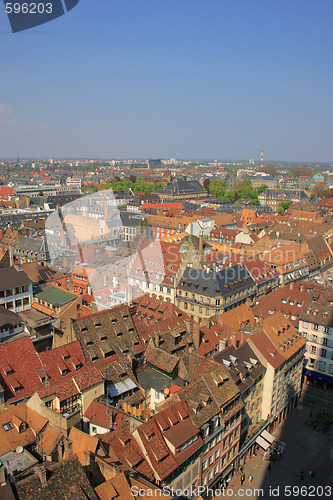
(323,353)
(48,404)
(322,366)
(204,465)
(7,426)
(217,302)
(313,349)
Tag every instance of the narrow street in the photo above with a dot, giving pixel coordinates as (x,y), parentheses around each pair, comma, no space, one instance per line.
(306,450)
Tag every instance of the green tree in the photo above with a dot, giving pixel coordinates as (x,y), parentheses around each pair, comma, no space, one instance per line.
(284,205)
(262,188)
(254,203)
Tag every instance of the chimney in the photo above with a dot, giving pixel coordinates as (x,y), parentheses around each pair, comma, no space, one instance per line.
(291,286)
(11,256)
(234,339)
(248,303)
(188,325)
(201,246)
(41,473)
(196,334)
(223,343)
(157,340)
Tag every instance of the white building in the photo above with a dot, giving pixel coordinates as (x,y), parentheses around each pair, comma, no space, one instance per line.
(316,325)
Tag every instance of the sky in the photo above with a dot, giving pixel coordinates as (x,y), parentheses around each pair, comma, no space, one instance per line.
(205,79)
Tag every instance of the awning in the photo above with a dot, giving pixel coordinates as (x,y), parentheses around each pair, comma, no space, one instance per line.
(262,442)
(121,387)
(310,373)
(267,436)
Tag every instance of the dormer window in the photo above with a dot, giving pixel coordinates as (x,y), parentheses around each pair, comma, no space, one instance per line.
(7,426)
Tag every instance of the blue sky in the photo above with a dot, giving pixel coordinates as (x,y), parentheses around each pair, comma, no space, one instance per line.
(178,78)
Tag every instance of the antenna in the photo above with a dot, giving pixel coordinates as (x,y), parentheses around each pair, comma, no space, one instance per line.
(262,157)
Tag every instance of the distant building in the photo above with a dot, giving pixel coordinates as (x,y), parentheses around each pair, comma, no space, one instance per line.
(180,190)
(273,197)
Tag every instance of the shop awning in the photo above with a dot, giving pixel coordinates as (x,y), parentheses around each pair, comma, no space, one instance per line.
(267,436)
(262,442)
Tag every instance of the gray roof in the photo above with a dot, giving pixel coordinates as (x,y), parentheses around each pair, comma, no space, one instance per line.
(225,282)
(30,244)
(183,187)
(242,364)
(153,379)
(289,193)
(11,278)
(129,221)
(8,318)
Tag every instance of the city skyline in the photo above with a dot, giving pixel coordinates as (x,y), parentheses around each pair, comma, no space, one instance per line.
(183,80)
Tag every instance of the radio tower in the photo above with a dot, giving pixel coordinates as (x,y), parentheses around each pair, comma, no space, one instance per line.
(262,157)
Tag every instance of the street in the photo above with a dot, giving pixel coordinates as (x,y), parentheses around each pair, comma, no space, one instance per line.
(306,450)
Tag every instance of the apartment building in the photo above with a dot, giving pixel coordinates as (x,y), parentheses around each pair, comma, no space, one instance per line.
(288,261)
(280,348)
(215,408)
(15,290)
(159,265)
(248,374)
(202,294)
(316,326)
(273,197)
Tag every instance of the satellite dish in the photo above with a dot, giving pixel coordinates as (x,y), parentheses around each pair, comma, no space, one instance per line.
(19,449)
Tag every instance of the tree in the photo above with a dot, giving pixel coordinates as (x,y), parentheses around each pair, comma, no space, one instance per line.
(284,205)
(262,188)
(301,171)
(269,170)
(321,190)
(254,203)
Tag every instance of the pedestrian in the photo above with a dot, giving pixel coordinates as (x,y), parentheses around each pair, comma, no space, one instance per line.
(302,475)
(241,468)
(242,478)
(250,479)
